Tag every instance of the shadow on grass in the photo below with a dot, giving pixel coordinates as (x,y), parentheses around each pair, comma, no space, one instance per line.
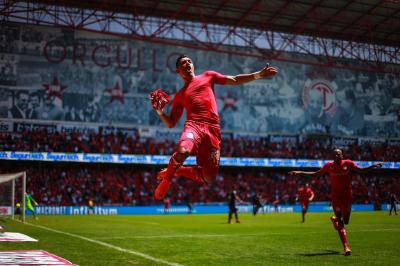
(324,253)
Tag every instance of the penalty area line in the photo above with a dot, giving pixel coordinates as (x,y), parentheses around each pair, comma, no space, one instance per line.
(136,253)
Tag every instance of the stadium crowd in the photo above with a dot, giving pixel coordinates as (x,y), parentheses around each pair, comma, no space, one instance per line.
(42,140)
(108,184)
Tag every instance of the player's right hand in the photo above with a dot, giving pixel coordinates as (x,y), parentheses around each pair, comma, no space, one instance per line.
(159,99)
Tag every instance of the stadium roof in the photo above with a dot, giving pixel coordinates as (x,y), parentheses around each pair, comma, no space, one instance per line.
(372,21)
(315,32)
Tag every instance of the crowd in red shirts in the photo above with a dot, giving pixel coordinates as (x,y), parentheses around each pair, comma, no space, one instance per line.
(111,184)
(40,140)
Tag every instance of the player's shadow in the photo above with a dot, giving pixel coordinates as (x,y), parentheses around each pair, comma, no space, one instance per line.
(323,253)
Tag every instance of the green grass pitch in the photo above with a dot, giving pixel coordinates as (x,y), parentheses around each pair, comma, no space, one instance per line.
(270,239)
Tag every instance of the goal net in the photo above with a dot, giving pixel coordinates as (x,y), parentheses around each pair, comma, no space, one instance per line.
(12,194)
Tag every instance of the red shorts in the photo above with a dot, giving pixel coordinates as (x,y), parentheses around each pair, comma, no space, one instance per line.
(341,205)
(304,204)
(203,140)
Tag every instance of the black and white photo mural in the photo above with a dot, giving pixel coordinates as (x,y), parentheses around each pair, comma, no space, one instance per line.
(64,75)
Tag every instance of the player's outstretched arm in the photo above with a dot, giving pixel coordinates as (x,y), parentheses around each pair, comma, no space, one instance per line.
(34,202)
(306,174)
(312,196)
(368,168)
(267,71)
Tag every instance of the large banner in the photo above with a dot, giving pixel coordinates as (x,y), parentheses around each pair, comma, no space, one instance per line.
(65,75)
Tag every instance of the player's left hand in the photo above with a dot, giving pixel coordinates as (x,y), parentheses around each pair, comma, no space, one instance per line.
(378,165)
(268,71)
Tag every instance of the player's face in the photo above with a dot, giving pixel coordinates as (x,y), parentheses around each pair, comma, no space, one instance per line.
(185,68)
(338,155)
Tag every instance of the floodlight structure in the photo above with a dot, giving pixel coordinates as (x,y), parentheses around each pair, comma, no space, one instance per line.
(320,33)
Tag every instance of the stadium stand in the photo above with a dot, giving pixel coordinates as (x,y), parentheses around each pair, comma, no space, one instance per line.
(108,184)
(41,140)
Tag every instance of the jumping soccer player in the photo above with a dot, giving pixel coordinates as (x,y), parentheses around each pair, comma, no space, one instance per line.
(305,194)
(201,135)
(28,204)
(340,172)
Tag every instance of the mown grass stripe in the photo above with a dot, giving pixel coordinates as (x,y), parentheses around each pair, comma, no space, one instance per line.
(136,253)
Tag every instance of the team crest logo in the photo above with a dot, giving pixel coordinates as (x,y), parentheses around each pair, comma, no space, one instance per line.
(320,93)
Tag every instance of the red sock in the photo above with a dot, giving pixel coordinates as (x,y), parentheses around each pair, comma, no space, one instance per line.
(162,189)
(173,166)
(343,237)
(190,172)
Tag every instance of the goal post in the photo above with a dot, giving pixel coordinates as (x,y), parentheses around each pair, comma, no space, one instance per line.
(12,191)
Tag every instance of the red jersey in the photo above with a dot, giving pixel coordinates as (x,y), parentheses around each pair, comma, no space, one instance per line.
(198,99)
(167,202)
(340,175)
(304,194)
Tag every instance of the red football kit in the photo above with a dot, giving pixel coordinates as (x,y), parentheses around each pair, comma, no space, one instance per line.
(340,175)
(201,134)
(304,196)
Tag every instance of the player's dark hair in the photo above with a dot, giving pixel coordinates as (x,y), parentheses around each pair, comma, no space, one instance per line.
(179,59)
(338,149)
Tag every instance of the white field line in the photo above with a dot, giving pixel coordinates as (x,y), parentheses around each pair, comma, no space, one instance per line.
(136,253)
(237,235)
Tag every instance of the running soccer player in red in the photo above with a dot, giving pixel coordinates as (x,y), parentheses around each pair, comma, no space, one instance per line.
(340,172)
(201,135)
(305,194)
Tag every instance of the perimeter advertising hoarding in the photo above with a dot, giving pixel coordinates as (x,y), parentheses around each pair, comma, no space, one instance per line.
(197,209)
